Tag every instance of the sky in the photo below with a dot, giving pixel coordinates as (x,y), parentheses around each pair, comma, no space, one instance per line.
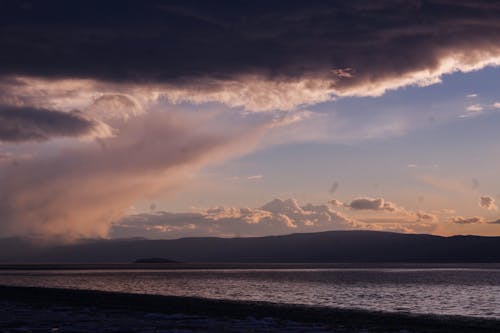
(167,119)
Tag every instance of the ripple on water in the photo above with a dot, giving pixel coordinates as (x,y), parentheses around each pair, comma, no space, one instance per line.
(468,292)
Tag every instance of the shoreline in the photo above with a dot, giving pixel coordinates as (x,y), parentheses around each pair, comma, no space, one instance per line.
(334,318)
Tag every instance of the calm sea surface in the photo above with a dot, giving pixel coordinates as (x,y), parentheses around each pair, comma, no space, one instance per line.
(454,291)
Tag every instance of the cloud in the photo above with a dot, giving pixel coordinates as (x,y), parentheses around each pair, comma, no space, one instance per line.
(18,124)
(381,205)
(448,211)
(113,107)
(423,216)
(78,191)
(251,93)
(312,215)
(274,218)
(478,109)
(475,108)
(472,220)
(78,188)
(255,177)
(487,202)
(254,92)
(407,227)
(473,111)
(372,204)
(336,203)
(259,56)
(467,220)
(252,57)
(471,95)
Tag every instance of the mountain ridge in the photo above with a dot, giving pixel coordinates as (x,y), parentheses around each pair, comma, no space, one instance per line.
(329,246)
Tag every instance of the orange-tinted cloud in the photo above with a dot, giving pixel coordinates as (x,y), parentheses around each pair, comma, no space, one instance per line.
(274,218)
(79,191)
(467,220)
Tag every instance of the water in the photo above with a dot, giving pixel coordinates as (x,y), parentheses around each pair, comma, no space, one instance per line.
(448,291)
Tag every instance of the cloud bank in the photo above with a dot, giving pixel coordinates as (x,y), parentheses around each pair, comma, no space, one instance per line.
(380,205)
(467,220)
(274,218)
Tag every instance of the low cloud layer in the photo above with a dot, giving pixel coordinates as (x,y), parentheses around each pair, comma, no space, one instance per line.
(18,124)
(468,220)
(274,218)
(380,205)
(473,220)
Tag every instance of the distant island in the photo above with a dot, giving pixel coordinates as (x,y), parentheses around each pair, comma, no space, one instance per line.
(154,261)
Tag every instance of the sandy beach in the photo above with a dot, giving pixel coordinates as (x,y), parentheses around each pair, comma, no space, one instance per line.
(25,309)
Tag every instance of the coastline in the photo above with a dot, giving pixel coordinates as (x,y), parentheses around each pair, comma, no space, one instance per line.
(229,313)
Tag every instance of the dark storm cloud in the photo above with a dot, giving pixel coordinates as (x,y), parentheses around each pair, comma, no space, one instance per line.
(349,42)
(29,124)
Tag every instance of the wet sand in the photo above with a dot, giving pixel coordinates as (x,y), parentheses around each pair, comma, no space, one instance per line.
(27,309)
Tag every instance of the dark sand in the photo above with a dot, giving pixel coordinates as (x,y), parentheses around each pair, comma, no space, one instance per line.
(26,309)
